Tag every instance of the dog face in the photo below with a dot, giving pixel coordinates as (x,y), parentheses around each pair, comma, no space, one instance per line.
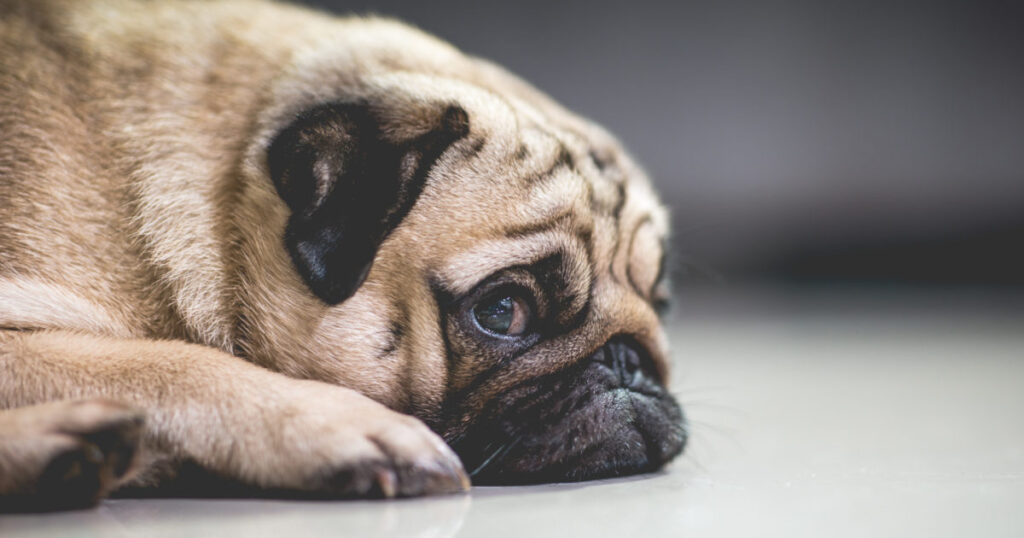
(462,249)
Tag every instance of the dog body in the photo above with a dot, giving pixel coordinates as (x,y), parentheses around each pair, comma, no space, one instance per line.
(267,237)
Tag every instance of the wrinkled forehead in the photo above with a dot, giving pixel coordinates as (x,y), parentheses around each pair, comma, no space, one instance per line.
(530,168)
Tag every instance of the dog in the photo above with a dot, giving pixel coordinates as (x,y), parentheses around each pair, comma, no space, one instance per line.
(251,244)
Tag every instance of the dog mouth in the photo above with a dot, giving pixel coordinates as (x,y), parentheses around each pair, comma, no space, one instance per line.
(608,415)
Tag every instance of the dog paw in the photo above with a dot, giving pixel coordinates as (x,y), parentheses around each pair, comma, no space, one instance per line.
(106,433)
(400,459)
(70,455)
(333,442)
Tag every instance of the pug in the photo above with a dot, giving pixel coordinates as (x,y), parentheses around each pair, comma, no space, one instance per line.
(249,244)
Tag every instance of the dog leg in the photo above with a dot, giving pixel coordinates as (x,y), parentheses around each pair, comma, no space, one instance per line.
(226,416)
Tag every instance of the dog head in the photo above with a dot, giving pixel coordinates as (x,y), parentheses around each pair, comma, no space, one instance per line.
(448,241)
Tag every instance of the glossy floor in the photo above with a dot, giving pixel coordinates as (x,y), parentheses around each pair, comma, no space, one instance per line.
(823,417)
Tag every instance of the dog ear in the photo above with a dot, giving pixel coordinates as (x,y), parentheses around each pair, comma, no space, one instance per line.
(349,184)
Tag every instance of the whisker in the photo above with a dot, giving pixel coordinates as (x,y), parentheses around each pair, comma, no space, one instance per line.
(487,461)
(496,456)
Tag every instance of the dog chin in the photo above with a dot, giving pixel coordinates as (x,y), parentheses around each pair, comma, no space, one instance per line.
(607,416)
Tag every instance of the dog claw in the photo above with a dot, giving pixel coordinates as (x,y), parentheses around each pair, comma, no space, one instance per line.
(464,481)
(388,482)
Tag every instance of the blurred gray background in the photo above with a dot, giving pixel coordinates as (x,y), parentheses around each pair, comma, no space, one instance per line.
(863,142)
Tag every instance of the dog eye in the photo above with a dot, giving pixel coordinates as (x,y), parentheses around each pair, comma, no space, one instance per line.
(503,314)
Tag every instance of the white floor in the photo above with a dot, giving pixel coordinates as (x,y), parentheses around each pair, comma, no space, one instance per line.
(892,416)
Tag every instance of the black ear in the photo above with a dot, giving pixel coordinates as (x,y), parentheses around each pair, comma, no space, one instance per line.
(348,186)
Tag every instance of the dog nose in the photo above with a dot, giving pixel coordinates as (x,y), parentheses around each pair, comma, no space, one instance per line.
(628,359)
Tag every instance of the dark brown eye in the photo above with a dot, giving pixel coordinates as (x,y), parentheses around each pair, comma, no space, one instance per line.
(503,314)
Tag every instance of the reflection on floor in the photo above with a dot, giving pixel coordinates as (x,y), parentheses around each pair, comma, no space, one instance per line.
(811,415)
